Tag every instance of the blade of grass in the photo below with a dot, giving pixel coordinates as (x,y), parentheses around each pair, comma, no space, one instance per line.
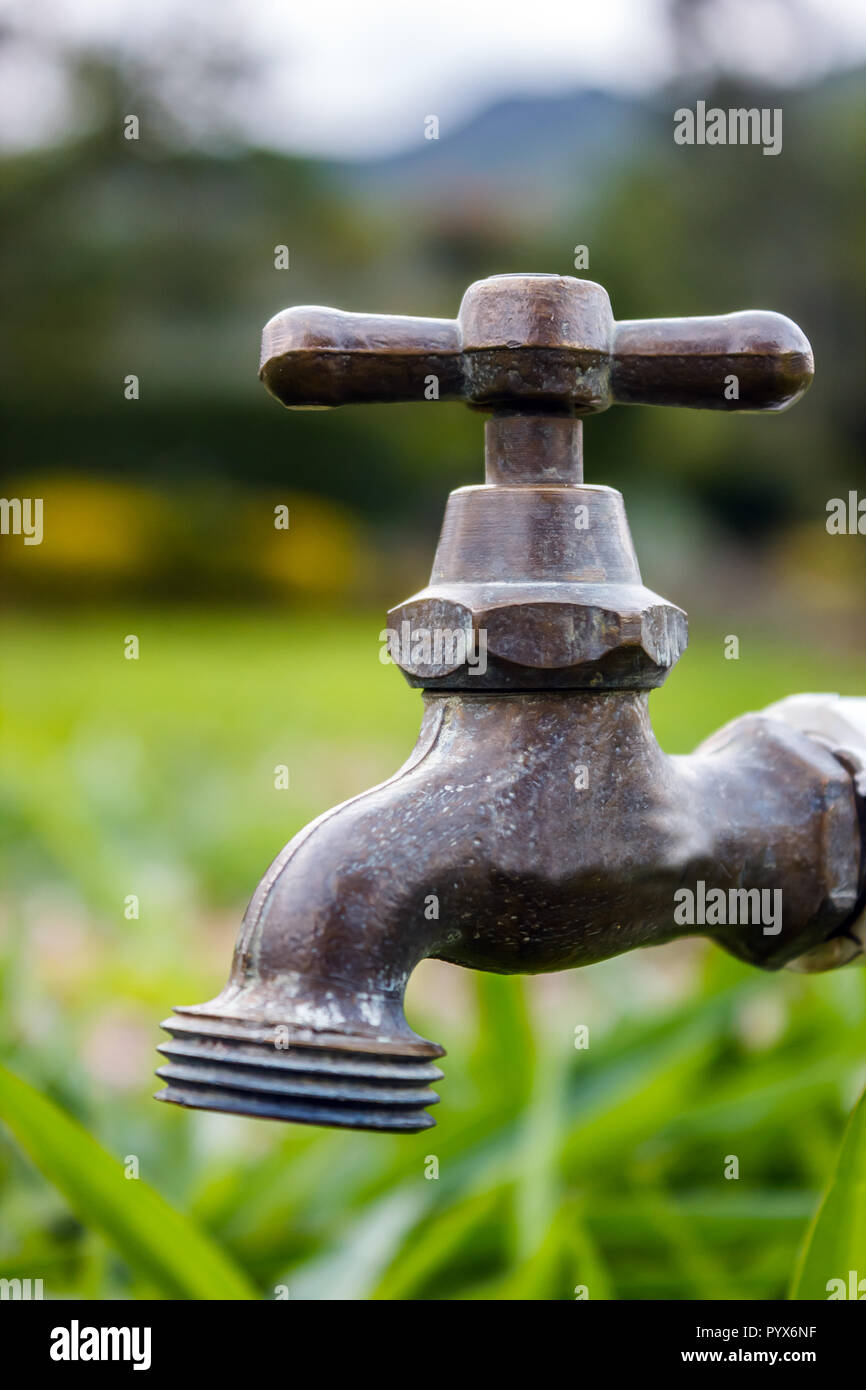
(590,1267)
(836,1241)
(694,1259)
(538,1278)
(353,1266)
(536,1194)
(438,1245)
(155,1239)
(504,1057)
(565,1265)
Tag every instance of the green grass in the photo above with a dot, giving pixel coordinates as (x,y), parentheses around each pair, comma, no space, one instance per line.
(559,1170)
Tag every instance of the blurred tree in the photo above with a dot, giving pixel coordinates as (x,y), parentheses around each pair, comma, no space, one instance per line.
(156,257)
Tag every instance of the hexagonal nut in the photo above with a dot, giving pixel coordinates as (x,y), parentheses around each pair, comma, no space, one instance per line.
(431,638)
(527,644)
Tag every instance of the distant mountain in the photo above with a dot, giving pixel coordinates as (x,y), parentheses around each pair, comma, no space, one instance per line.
(545,146)
(521,145)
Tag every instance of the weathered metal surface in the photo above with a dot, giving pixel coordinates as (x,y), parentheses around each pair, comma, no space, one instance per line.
(538,576)
(536,341)
(265,1071)
(528,872)
(532,450)
(682,362)
(537,825)
(839,723)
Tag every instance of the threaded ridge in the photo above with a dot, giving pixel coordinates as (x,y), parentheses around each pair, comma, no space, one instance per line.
(235,1070)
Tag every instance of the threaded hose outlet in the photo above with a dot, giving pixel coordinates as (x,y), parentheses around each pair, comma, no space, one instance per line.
(329,1079)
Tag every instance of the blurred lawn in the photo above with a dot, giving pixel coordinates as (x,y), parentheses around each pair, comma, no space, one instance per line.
(557,1167)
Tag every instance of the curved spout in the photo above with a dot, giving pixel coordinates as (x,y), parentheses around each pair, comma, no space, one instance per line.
(527,832)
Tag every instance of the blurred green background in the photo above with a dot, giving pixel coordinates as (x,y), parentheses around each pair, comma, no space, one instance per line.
(558,1167)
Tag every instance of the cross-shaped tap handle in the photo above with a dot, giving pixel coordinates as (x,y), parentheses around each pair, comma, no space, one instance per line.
(536,342)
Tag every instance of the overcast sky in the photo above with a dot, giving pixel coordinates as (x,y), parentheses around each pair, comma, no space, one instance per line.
(356,77)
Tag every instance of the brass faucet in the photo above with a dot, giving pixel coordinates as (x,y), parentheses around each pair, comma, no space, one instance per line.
(537,825)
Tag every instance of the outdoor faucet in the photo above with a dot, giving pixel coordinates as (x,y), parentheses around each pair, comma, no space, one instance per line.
(537,825)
